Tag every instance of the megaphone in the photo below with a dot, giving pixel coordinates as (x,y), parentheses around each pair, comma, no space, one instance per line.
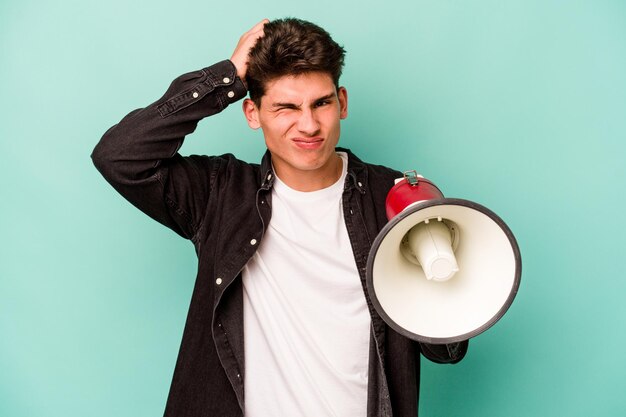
(442,270)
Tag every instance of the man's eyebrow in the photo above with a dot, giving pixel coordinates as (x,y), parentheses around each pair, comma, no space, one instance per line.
(284,104)
(326,97)
(293,105)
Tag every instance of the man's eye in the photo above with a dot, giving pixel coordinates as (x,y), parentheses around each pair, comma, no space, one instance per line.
(322,103)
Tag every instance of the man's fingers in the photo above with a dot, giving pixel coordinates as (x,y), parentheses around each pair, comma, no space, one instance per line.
(246,42)
(255,29)
(259,26)
(255,32)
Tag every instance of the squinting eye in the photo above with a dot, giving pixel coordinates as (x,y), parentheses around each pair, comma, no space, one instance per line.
(322,103)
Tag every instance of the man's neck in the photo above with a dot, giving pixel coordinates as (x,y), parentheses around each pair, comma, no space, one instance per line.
(307,181)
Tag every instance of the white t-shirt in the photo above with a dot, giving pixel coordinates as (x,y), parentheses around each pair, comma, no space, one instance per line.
(306,322)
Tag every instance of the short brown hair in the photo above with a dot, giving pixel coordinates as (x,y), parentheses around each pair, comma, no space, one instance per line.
(291,47)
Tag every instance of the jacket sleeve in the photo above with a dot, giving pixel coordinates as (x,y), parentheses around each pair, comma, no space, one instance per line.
(139,155)
(448,353)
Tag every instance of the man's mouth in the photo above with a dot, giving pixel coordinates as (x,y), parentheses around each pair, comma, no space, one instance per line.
(308,143)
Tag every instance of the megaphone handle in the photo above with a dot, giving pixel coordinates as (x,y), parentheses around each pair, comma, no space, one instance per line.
(448,353)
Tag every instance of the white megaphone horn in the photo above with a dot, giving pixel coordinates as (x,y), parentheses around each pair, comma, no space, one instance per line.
(442,270)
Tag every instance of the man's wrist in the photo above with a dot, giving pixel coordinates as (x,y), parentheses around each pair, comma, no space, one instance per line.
(223,76)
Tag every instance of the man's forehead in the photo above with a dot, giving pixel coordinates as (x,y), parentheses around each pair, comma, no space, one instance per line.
(298,88)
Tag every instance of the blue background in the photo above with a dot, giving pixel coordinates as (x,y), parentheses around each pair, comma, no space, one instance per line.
(518,105)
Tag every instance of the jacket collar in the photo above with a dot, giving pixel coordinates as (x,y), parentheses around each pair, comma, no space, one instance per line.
(266,172)
(357,174)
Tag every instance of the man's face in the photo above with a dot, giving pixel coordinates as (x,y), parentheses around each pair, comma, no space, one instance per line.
(300,118)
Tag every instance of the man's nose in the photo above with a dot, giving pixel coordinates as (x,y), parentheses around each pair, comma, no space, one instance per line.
(308,123)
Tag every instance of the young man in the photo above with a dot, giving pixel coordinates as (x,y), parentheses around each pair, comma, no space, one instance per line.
(280,321)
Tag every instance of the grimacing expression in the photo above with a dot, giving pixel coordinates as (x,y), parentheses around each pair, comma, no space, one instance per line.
(300,118)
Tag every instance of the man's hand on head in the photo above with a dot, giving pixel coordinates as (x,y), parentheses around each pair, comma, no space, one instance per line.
(246,42)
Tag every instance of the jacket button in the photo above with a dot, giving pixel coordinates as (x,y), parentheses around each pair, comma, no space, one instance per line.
(218,281)
(226,80)
(195,94)
(253,242)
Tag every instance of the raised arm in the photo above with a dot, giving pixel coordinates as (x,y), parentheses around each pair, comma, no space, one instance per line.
(139,155)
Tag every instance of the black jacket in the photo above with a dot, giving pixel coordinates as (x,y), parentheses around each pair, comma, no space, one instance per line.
(223,205)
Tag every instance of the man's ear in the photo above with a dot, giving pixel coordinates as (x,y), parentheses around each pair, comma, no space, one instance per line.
(342,94)
(252,113)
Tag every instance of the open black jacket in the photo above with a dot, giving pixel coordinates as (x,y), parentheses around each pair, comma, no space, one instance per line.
(223,205)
